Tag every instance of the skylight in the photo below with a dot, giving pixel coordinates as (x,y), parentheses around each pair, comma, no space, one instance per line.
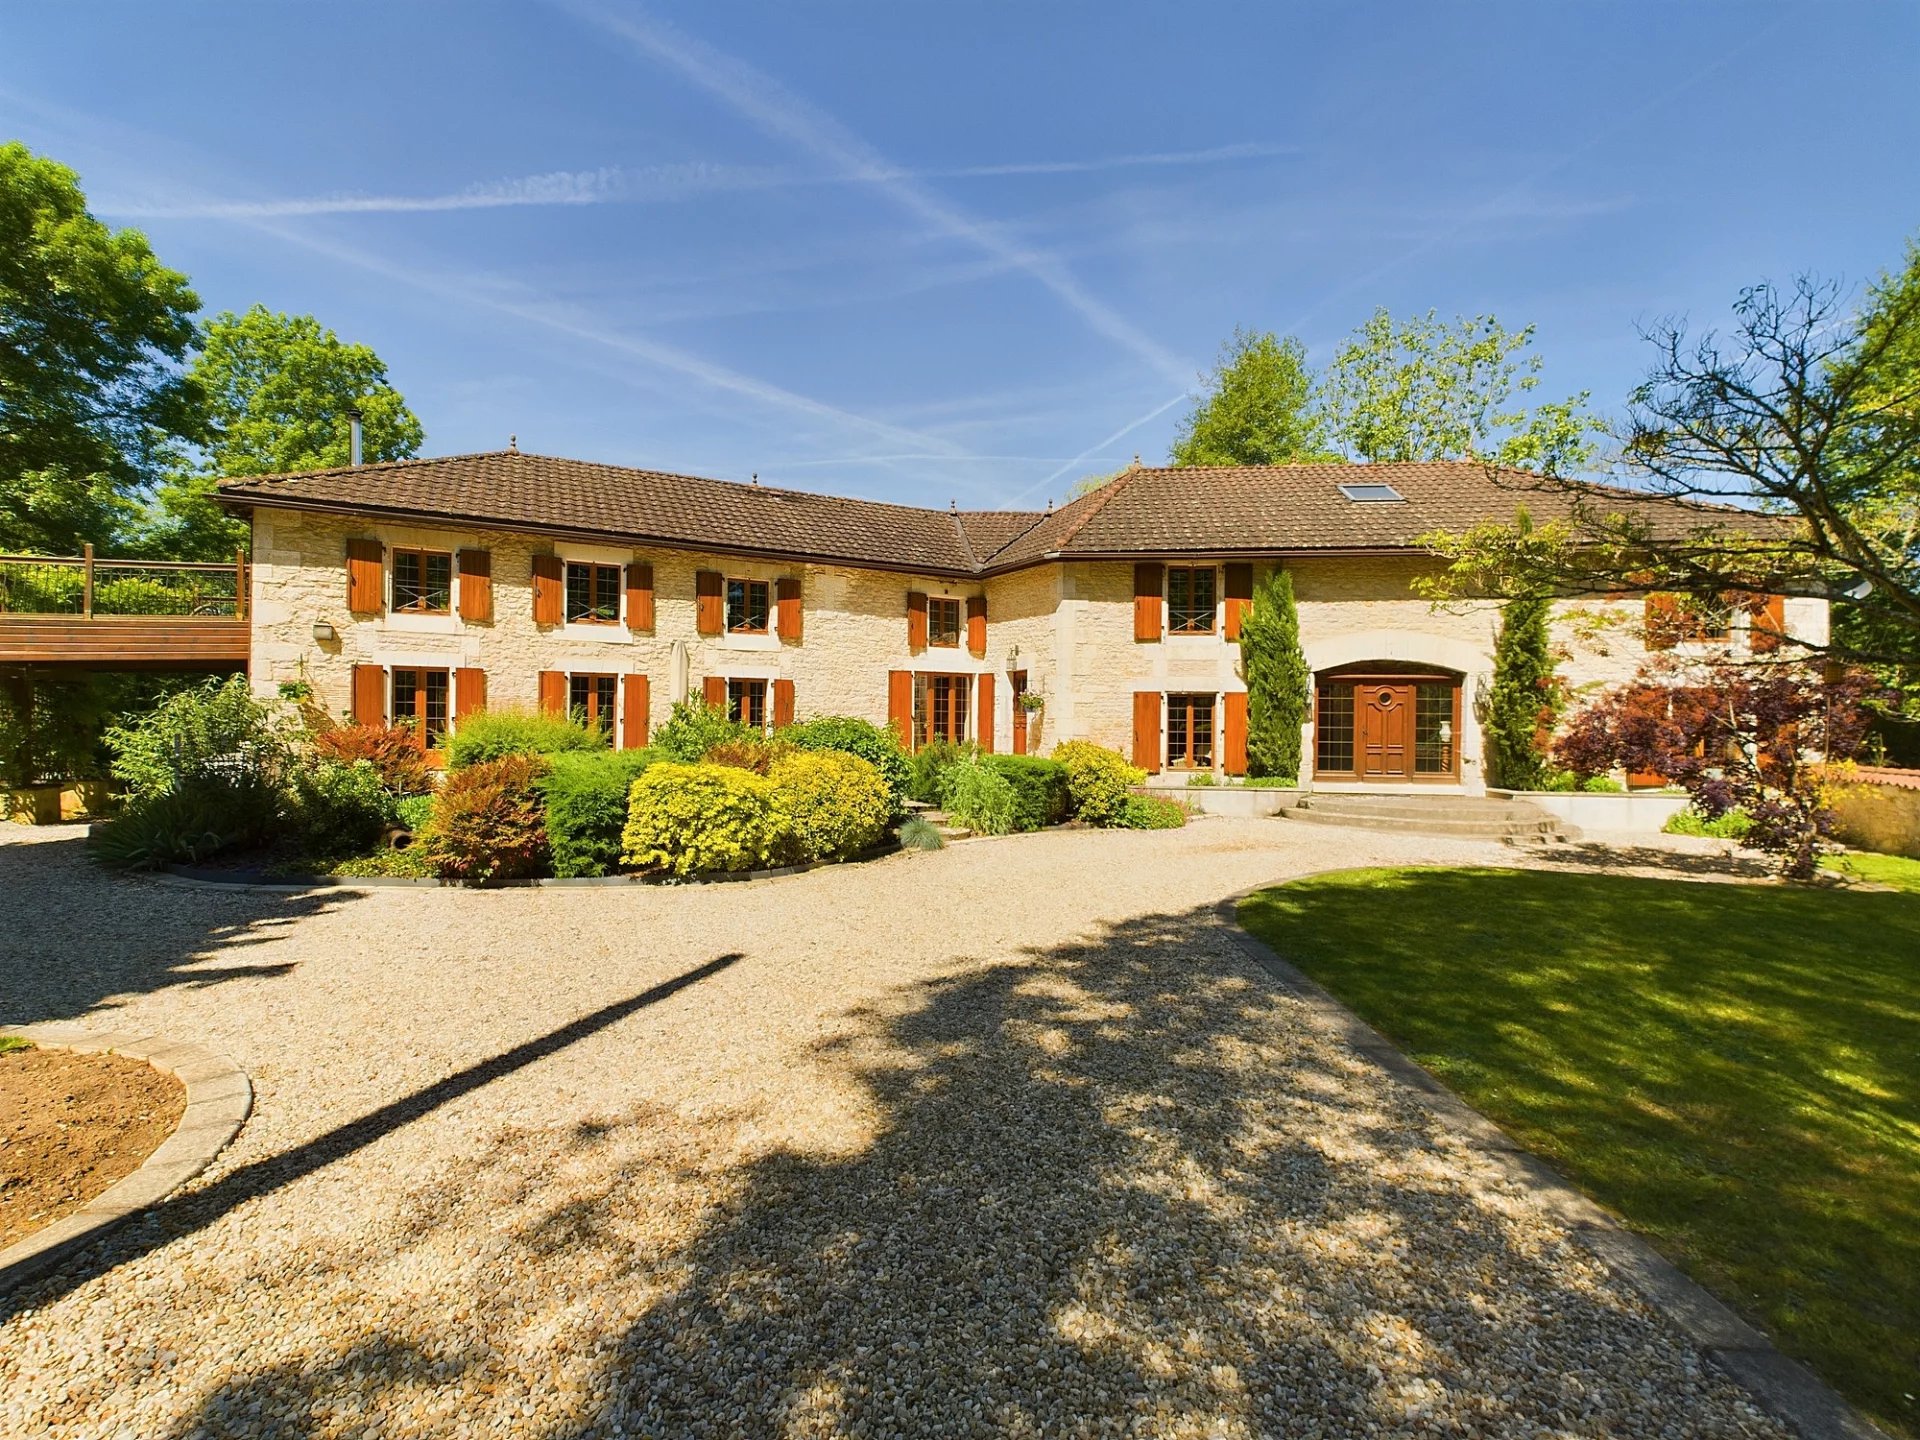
(1370,493)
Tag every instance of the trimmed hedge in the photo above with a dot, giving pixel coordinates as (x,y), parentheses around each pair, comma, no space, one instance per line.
(878,745)
(1098,780)
(586,795)
(1150,812)
(836,804)
(689,819)
(1040,793)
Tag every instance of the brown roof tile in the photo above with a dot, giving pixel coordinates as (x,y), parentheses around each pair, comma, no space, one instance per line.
(1144,510)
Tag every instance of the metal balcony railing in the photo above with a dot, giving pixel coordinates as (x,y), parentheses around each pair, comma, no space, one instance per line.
(87,588)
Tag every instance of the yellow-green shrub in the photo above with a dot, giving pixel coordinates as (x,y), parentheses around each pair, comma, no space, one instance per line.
(1098,780)
(690,819)
(836,804)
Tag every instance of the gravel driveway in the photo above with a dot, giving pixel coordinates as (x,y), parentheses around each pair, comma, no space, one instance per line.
(1005,1140)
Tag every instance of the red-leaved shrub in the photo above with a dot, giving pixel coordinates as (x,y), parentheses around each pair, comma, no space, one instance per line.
(392,750)
(489,822)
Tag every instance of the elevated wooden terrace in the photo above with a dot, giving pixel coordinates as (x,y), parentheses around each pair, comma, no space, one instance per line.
(84,613)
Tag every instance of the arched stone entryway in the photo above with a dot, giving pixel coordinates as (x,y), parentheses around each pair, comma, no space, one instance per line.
(1388,722)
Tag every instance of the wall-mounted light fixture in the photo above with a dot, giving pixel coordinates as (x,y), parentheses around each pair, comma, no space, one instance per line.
(323,632)
(1013,659)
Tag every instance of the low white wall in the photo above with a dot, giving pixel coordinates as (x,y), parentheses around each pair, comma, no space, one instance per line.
(1641,814)
(1228,799)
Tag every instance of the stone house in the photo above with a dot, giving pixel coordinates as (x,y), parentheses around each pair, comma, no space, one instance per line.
(427,589)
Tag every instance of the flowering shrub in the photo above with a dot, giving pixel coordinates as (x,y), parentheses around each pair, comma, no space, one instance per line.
(1098,780)
(688,819)
(487,824)
(878,745)
(836,805)
(752,754)
(390,749)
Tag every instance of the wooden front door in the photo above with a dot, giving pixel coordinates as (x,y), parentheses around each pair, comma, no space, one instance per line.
(1386,731)
(1017,682)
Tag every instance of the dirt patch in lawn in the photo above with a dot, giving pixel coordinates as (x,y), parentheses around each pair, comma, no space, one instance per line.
(70,1126)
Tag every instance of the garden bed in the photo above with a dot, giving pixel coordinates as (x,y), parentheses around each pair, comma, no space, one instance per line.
(71,1125)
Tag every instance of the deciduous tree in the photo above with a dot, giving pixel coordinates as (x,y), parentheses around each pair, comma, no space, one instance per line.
(93,330)
(1428,389)
(277,389)
(1259,407)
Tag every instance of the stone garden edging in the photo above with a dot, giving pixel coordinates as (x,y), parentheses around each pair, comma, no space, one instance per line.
(202,877)
(1783,1386)
(219,1099)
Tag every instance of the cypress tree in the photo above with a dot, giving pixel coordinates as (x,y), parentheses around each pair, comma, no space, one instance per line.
(1525,696)
(1277,678)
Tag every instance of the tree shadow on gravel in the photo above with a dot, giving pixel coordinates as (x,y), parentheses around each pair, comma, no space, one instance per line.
(1115,1187)
(72,934)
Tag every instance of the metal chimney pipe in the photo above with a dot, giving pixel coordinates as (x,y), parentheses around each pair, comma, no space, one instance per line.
(353,436)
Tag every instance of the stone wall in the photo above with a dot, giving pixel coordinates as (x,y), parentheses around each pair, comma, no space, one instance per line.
(1071,625)
(854,627)
(1878,809)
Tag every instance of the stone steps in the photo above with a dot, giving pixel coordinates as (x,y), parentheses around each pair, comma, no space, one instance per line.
(1467,816)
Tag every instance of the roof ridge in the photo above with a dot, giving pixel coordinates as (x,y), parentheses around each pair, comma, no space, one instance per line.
(966,545)
(1105,496)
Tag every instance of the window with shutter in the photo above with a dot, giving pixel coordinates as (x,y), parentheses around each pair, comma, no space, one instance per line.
(476,586)
(640,597)
(365,581)
(1146,600)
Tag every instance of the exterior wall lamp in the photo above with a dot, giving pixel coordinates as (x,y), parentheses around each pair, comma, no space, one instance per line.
(324,633)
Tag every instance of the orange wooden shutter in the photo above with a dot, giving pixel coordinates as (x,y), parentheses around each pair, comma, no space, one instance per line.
(476,585)
(640,597)
(782,703)
(1233,734)
(364,579)
(469,693)
(1239,596)
(633,711)
(713,690)
(1146,600)
(1664,621)
(787,600)
(553,692)
(977,626)
(1766,623)
(709,602)
(369,695)
(549,597)
(1146,730)
(983,727)
(900,704)
(916,620)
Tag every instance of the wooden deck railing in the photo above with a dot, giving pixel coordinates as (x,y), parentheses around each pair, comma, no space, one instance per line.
(86,587)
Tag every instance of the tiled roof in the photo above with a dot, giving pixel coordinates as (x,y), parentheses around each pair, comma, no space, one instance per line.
(1219,509)
(1210,510)
(511,491)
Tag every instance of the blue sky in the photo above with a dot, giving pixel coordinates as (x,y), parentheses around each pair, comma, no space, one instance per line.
(963,251)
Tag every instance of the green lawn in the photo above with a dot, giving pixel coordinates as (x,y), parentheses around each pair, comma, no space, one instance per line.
(1735,1069)
(1895,870)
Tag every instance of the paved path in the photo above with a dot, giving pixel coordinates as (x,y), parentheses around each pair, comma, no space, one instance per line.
(1006,1140)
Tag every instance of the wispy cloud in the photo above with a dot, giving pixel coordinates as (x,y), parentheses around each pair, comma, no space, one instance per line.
(759,98)
(651,184)
(1092,451)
